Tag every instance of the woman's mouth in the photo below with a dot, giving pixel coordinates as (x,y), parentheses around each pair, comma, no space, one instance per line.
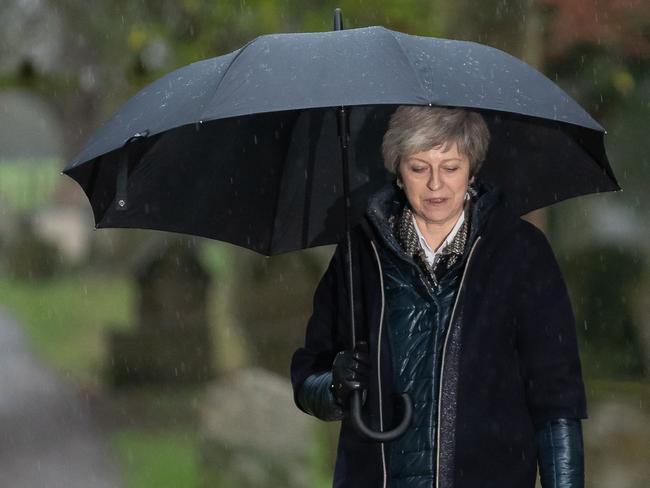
(435,201)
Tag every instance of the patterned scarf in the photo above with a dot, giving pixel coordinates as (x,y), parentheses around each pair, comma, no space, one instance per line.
(407,236)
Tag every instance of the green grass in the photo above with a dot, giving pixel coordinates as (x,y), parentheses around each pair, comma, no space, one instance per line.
(66,319)
(320,456)
(27,184)
(168,459)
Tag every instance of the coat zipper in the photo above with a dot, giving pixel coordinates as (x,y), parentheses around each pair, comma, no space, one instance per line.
(442,367)
(381,324)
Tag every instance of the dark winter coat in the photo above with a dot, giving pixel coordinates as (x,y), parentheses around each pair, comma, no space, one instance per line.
(511,358)
(417,312)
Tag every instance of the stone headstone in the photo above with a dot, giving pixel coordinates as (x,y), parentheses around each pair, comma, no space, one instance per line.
(29,257)
(253,434)
(171,340)
(68,227)
(273,302)
(603,281)
(641,306)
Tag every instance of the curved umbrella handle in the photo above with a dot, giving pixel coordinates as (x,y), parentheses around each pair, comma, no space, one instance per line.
(364,430)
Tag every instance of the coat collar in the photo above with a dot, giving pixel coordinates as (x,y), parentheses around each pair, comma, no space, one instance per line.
(387,204)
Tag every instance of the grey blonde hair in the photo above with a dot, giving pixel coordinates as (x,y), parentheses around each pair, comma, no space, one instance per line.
(415,128)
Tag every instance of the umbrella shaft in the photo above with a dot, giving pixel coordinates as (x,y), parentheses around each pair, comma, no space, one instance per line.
(344,138)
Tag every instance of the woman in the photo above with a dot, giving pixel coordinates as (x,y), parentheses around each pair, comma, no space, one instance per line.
(464,308)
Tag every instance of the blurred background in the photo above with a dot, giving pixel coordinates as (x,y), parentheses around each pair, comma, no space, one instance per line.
(127,357)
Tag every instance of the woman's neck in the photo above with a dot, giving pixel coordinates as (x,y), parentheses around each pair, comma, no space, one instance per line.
(436,233)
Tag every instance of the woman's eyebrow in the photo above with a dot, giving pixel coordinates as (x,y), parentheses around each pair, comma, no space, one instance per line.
(446,160)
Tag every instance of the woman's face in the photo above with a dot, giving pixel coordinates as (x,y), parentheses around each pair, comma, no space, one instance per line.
(435,182)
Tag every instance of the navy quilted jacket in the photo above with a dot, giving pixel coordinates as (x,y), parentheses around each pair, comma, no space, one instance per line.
(510,358)
(416,316)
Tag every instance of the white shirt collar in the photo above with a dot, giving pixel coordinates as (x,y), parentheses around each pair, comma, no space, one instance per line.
(431,254)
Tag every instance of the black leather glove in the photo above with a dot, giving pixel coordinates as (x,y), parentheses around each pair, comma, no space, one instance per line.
(560,453)
(350,371)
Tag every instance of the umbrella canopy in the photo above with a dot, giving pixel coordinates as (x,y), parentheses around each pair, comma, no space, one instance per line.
(244,147)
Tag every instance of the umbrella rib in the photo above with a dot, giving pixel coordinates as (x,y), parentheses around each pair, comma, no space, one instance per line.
(275,210)
(415,71)
(603,166)
(235,57)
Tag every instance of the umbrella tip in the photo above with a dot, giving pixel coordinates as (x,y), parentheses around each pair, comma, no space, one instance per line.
(338,19)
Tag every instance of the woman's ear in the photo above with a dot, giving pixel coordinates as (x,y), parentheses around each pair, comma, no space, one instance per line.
(398,177)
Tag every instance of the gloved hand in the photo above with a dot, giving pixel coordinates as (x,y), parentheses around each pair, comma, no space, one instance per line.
(350,371)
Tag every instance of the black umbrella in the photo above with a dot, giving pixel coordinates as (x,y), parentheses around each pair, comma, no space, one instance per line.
(245,147)
(265,112)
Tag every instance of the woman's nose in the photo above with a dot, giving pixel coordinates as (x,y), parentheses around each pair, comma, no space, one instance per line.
(434,180)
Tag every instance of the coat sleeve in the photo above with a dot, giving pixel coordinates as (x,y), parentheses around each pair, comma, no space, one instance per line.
(560,453)
(320,348)
(546,335)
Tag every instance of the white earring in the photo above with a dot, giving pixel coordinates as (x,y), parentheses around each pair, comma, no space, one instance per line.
(399,184)
(467,196)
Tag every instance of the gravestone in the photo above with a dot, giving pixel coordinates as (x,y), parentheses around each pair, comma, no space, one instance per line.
(27,256)
(171,341)
(603,280)
(273,303)
(253,435)
(641,306)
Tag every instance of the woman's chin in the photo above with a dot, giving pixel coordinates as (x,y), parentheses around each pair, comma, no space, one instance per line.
(438,216)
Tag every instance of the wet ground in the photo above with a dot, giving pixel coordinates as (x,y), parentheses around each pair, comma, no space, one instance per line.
(48,435)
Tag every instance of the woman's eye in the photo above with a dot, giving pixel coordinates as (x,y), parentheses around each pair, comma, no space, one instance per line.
(451,170)
(418,169)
